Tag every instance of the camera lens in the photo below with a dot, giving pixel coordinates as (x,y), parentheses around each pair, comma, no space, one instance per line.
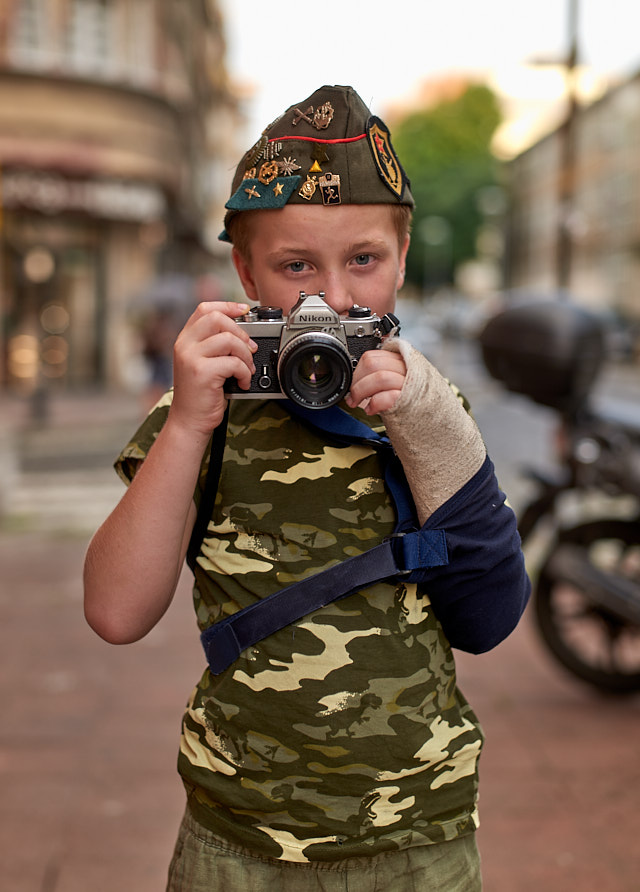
(315,370)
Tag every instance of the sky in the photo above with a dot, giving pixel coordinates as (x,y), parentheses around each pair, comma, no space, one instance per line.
(386,48)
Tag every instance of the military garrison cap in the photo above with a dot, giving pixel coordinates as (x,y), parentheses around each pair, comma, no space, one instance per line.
(328,149)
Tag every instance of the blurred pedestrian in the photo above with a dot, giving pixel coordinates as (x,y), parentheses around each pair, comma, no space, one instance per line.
(158,333)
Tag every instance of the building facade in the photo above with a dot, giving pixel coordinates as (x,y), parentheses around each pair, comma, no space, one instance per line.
(115,122)
(595,196)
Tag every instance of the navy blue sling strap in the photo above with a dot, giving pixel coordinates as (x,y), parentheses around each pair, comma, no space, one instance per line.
(403,554)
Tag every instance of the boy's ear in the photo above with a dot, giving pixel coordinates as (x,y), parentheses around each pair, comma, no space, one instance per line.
(245,275)
(403,262)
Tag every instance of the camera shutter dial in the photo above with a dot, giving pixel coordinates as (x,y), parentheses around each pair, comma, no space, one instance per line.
(266,314)
(357,312)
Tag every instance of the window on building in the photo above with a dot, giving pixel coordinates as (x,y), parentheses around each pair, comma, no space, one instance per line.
(29,44)
(89,37)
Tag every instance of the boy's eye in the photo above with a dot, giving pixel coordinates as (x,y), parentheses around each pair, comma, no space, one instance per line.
(297,266)
(362,259)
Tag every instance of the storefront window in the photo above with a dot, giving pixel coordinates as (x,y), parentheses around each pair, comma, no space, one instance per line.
(51,318)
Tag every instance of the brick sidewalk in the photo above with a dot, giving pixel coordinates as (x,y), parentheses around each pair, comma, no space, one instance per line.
(88,743)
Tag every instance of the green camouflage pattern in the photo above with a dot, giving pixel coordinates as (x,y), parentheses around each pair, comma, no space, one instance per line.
(344,734)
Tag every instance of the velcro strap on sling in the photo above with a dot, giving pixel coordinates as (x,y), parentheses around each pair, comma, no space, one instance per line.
(398,556)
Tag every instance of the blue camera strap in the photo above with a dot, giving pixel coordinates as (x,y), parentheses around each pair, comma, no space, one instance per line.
(406,553)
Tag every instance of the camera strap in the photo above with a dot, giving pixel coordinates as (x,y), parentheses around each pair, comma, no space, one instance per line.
(207,501)
(406,554)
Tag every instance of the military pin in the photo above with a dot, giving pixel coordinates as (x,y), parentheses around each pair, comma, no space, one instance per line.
(286,166)
(272,150)
(268,172)
(252,193)
(255,152)
(308,189)
(323,116)
(302,116)
(330,188)
(319,153)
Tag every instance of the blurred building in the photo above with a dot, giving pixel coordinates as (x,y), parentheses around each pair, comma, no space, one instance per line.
(594,193)
(115,126)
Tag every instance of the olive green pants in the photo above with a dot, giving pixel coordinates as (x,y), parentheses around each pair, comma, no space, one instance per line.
(204,863)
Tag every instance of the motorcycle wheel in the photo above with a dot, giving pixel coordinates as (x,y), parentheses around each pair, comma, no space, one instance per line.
(591,641)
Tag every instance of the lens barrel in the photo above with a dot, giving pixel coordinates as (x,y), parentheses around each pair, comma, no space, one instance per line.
(315,370)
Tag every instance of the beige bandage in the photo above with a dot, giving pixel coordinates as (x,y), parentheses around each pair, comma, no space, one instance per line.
(434,437)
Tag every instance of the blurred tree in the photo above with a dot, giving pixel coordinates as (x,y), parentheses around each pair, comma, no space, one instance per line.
(446,152)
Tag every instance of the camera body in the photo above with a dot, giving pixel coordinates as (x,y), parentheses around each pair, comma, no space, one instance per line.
(308,356)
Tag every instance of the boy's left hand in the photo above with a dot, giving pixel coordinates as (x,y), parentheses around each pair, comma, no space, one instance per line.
(377,381)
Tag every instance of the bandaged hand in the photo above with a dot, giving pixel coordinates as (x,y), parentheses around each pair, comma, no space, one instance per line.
(435,438)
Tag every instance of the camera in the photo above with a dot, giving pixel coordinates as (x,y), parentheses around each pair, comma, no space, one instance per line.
(309,356)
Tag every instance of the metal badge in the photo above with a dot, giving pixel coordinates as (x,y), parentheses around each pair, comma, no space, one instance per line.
(319,153)
(255,152)
(323,116)
(330,189)
(286,166)
(302,116)
(320,118)
(263,148)
(252,193)
(308,188)
(268,172)
(272,150)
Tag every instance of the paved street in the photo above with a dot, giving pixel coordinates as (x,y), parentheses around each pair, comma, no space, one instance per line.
(91,801)
(90,798)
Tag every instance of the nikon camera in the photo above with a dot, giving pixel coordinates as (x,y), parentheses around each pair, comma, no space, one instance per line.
(309,356)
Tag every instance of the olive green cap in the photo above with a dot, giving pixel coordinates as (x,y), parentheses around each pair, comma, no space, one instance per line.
(328,149)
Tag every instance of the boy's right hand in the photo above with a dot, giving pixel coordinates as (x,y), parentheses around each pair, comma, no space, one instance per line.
(209,349)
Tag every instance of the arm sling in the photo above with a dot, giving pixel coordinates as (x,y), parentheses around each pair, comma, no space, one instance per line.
(406,554)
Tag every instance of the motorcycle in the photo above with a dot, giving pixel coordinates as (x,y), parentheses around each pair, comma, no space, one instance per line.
(586,589)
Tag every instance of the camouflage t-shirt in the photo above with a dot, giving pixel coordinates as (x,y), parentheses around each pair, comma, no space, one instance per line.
(343,734)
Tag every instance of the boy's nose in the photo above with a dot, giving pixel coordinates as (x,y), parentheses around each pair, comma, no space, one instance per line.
(337,295)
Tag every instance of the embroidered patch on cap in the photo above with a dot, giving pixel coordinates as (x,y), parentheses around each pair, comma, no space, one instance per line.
(253,193)
(384,156)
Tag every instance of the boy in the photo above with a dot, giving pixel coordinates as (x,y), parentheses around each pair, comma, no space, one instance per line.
(337,751)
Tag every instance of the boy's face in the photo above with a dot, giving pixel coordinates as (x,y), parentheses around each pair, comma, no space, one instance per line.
(350,252)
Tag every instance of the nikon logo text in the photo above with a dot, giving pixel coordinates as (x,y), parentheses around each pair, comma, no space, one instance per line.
(313,317)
